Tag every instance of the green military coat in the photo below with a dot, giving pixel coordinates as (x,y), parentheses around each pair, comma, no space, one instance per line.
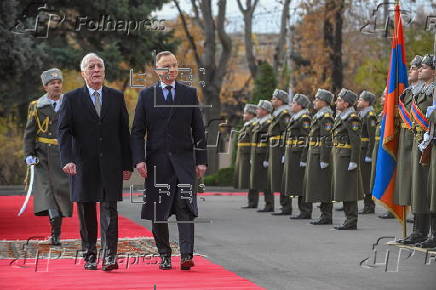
(295,153)
(432,175)
(346,185)
(369,126)
(50,187)
(276,148)
(403,180)
(242,165)
(420,202)
(259,154)
(317,181)
(375,151)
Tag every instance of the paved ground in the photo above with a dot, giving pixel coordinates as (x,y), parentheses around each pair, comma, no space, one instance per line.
(277,253)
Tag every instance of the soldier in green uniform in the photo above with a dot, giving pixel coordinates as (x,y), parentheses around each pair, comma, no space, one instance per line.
(403,182)
(429,141)
(317,178)
(276,148)
(295,154)
(242,166)
(347,181)
(258,154)
(367,139)
(420,172)
(50,188)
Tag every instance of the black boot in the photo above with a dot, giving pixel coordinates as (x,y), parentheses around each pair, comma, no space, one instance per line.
(431,240)
(419,232)
(56,224)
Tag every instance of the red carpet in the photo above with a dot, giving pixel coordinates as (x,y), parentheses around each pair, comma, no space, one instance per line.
(64,274)
(13,227)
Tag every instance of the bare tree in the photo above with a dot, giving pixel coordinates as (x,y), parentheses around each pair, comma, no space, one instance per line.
(216,66)
(280,51)
(248,12)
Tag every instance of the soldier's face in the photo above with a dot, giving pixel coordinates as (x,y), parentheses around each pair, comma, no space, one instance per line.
(53,88)
(413,74)
(168,62)
(361,103)
(426,73)
(318,104)
(276,102)
(248,116)
(94,73)
(296,107)
(261,112)
(341,104)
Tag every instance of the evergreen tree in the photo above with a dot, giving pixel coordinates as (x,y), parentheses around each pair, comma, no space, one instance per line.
(265,83)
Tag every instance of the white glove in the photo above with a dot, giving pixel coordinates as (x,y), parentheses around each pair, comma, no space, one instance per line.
(283,159)
(323,165)
(265,164)
(429,110)
(425,142)
(303,164)
(352,166)
(31,160)
(368,159)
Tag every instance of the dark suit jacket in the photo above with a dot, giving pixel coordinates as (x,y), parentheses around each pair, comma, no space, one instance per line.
(99,146)
(174,143)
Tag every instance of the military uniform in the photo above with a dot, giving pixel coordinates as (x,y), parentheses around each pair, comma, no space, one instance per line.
(258,155)
(296,156)
(403,182)
(276,150)
(369,125)
(242,165)
(317,180)
(375,151)
(347,182)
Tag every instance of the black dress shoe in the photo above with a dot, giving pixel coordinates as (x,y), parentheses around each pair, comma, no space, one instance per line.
(90,263)
(266,210)
(300,217)
(344,227)
(249,206)
(187,262)
(387,215)
(282,213)
(109,264)
(367,210)
(321,221)
(165,263)
(410,220)
(413,238)
(428,244)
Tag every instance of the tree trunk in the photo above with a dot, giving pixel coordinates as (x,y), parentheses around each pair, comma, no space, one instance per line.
(280,48)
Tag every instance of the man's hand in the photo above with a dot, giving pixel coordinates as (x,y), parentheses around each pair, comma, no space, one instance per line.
(31,160)
(70,169)
(126,175)
(200,170)
(323,165)
(352,166)
(141,167)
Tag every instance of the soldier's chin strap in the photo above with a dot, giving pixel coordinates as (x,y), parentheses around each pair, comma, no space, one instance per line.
(31,168)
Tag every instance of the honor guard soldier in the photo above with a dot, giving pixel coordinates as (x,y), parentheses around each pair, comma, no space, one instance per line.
(347,181)
(242,167)
(420,171)
(276,148)
(50,189)
(317,179)
(367,139)
(430,144)
(403,181)
(258,154)
(296,153)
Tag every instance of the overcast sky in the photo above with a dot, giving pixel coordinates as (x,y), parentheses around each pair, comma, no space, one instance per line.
(267,14)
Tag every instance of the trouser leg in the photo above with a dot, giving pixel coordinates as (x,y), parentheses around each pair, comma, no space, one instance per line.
(304,207)
(350,209)
(88,227)
(326,210)
(109,227)
(253,197)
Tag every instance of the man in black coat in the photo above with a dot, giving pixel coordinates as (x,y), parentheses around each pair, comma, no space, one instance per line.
(171,157)
(95,151)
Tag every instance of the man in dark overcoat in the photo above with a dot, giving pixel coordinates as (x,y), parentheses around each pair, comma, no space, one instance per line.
(171,157)
(94,142)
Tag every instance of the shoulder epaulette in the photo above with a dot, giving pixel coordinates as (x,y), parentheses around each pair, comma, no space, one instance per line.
(354,115)
(327,115)
(305,116)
